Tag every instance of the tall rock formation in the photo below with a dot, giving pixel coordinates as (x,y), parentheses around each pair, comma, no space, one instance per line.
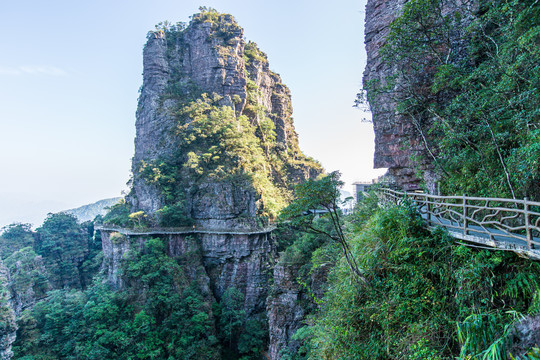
(211,57)
(400,145)
(391,131)
(23,282)
(216,150)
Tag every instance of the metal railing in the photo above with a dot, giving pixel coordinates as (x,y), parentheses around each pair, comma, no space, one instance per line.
(497,222)
(181,230)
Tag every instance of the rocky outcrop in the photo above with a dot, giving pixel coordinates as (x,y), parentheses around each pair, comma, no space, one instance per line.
(290,303)
(23,282)
(392,132)
(28,279)
(242,261)
(209,56)
(285,313)
(223,205)
(526,335)
(399,146)
(115,249)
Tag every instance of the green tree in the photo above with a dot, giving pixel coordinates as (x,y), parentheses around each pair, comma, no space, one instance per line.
(28,278)
(320,199)
(63,243)
(429,298)
(15,237)
(232,315)
(118,214)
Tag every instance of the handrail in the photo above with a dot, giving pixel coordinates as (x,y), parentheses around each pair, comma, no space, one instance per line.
(181,230)
(497,222)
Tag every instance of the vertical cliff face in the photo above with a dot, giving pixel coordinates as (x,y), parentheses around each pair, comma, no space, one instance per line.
(392,132)
(217,262)
(401,141)
(285,313)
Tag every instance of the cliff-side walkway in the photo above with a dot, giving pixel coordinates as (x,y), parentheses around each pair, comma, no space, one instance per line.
(494,223)
(182,230)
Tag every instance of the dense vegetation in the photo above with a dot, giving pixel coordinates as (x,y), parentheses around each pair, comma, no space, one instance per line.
(469,81)
(425,297)
(67,250)
(163,312)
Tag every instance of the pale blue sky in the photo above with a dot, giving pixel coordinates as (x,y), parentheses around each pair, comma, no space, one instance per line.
(70,73)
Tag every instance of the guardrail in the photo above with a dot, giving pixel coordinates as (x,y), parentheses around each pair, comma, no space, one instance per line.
(497,222)
(181,230)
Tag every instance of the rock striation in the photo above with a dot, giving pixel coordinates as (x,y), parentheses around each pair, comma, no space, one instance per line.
(216,262)
(391,131)
(285,313)
(290,303)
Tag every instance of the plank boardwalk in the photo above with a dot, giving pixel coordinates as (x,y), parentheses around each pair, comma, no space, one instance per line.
(494,223)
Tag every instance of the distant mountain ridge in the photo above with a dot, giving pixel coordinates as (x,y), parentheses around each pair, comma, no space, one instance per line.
(90,211)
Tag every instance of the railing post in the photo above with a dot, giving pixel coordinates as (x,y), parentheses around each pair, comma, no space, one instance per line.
(428,210)
(465,216)
(527,223)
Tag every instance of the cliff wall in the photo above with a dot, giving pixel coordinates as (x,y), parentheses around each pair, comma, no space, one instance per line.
(216,260)
(402,140)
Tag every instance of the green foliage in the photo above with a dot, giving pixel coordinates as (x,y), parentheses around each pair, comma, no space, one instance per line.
(7,315)
(174,215)
(118,214)
(231,317)
(161,316)
(213,143)
(313,199)
(533,354)
(231,140)
(253,53)
(427,299)
(117,238)
(139,219)
(168,27)
(216,141)
(67,249)
(243,338)
(15,237)
(207,14)
(319,199)
(224,24)
(27,276)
